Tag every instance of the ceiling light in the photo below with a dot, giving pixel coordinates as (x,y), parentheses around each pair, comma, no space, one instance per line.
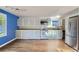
(53,17)
(58,16)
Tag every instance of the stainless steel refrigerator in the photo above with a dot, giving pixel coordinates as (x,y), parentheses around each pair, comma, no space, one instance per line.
(72,32)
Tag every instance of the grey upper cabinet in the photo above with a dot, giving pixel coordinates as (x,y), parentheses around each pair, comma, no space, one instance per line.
(29,22)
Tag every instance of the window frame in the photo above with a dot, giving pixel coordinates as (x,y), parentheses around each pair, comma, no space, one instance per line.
(4,26)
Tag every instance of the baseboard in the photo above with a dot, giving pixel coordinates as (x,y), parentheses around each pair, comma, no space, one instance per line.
(7,42)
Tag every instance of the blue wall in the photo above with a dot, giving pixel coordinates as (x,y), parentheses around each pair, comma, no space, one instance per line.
(11,27)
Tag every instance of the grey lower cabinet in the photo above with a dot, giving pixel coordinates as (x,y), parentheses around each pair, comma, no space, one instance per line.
(38,34)
(28,34)
(18,34)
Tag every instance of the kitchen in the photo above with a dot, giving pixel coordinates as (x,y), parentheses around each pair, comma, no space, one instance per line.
(44,28)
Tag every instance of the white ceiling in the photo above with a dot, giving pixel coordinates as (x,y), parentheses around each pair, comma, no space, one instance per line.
(39,10)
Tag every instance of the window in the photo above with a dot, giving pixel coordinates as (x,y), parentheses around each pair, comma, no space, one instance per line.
(54,23)
(3,25)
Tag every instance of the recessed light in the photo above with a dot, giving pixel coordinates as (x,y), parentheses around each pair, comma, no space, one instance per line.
(58,16)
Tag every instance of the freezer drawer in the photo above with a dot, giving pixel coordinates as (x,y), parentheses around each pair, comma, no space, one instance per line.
(71,41)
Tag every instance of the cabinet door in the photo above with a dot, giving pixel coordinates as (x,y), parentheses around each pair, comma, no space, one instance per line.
(18,34)
(29,22)
(30,34)
(54,34)
(36,34)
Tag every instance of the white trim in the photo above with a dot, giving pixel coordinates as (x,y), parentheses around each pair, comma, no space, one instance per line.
(7,42)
